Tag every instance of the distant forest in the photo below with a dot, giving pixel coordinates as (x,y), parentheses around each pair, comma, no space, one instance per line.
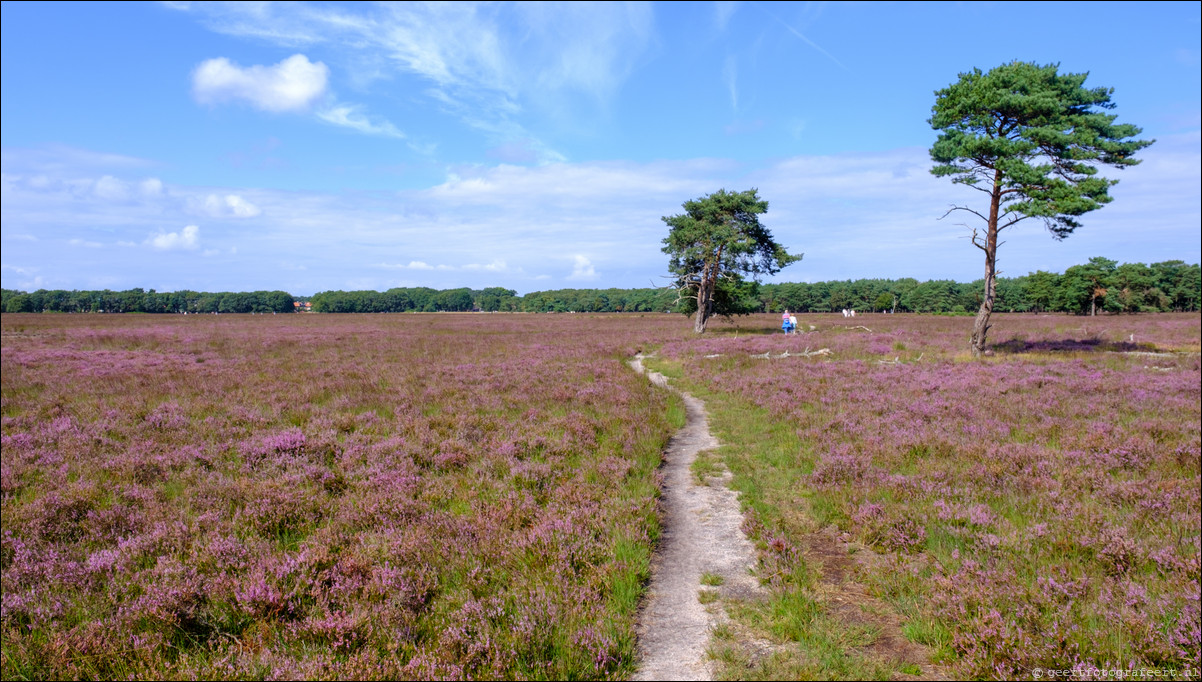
(1101,285)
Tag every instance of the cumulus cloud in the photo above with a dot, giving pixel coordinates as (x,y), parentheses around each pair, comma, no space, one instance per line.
(228,206)
(151,187)
(186,239)
(292,85)
(583,269)
(110,188)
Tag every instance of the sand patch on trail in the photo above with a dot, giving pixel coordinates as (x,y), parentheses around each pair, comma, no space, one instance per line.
(702,534)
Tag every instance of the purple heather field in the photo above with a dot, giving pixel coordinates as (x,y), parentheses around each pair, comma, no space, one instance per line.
(338,496)
(1036,509)
(423,496)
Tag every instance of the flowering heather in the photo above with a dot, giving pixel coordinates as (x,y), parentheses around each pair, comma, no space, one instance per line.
(377,496)
(1039,507)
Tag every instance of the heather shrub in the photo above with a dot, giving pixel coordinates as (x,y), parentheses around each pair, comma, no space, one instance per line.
(1040,506)
(385,496)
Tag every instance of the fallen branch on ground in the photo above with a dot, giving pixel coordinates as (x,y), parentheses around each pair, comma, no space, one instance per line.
(897,360)
(894,361)
(807,353)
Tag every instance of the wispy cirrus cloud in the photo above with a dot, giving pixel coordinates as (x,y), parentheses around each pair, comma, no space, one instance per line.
(730,78)
(489,65)
(60,159)
(350,116)
(723,11)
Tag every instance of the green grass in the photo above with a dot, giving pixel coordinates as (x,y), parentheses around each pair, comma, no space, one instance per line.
(707,463)
(627,585)
(769,461)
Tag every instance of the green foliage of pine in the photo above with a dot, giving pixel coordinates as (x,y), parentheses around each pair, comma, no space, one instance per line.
(714,245)
(1038,135)
(1031,139)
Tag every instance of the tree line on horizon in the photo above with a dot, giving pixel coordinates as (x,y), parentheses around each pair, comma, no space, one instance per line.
(1101,285)
(142,301)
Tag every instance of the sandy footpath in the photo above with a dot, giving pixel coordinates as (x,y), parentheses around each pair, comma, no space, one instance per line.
(701,534)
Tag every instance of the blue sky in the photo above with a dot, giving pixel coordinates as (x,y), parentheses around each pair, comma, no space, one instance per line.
(308,147)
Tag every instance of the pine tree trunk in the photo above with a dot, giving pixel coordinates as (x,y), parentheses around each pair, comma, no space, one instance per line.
(980,328)
(705,307)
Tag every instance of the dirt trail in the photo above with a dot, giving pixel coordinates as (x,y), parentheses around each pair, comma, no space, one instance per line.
(701,534)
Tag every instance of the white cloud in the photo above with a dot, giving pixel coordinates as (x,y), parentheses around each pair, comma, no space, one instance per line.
(292,85)
(497,265)
(28,279)
(413,265)
(55,159)
(583,269)
(464,55)
(186,239)
(730,77)
(228,206)
(151,187)
(111,188)
(723,11)
(854,215)
(348,116)
(69,182)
